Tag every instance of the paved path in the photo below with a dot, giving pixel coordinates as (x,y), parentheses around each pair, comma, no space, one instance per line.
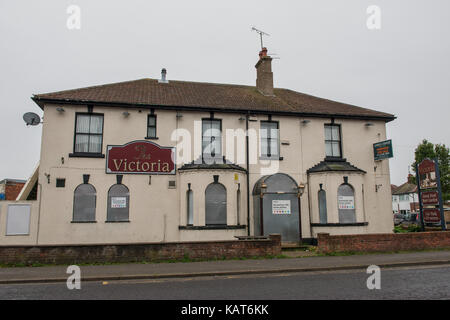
(228,267)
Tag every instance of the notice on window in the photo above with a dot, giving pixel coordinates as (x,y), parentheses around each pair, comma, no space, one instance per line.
(118,202)
(281,206)
(346,202)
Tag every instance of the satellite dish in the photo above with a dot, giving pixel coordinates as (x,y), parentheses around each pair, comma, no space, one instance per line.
(31,119)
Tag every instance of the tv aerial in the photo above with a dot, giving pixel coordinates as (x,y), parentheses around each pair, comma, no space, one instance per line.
(31,119)
(261,34)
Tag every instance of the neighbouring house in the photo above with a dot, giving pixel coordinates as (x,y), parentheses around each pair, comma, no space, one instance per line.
(10,188)
(158,160)
(405,198)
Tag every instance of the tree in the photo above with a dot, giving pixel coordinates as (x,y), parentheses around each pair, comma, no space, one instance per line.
(428,150)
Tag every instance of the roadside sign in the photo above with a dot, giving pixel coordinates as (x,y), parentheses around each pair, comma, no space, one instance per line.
(431,215)
(383,150)
(430,198)
(430,193)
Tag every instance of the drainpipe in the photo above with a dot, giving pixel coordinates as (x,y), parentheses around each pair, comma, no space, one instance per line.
(39,210)
(248,174)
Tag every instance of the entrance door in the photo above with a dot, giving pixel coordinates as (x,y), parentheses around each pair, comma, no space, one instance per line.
(277,211)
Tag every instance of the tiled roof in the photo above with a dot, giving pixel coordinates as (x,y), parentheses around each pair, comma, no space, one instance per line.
(334,165)
(183,94)
(405,189)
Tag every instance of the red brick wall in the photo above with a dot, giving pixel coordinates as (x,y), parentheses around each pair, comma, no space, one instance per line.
(12,190)
(63,254)
(383,242)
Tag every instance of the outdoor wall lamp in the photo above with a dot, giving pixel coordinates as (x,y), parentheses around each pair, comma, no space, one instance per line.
(125,114)
(179,115)
(369,124)
(242,118)
(306,121)
(301,188)
(60,109)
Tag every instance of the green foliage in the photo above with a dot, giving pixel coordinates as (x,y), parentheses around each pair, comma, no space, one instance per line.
(410,228)
(429,150)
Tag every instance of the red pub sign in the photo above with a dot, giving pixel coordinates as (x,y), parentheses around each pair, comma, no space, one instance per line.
(140,157)
(431,215)
(430,198)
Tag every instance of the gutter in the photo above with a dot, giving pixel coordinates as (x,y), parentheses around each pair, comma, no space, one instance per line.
(41,101)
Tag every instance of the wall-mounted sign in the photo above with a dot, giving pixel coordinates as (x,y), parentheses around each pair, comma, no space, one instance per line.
(427,174)
(281,206)
(140,157)
(430,198)
(431,215)
(383,150)
(346,202)
(118,202)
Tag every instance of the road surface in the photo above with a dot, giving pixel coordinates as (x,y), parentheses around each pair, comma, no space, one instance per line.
(431,282)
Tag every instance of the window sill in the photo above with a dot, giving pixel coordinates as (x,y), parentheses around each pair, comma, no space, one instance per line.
(212,227)
(83,221)
(151,138)
(352,224)
(86,155)
(271,158)
(117,221)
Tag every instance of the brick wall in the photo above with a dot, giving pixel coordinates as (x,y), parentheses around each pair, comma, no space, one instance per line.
(63,254)
(383,242)
(12,190)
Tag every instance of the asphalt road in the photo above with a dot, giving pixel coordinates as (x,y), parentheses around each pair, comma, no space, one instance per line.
(431,282)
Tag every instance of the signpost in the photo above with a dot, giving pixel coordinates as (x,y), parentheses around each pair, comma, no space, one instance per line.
(430,193)
(383,150)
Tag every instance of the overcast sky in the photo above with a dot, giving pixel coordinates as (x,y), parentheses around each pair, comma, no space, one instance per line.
(325,48)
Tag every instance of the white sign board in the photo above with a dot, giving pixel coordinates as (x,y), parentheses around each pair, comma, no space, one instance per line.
(118,202)
(18,219)
(346,202)
(281,206)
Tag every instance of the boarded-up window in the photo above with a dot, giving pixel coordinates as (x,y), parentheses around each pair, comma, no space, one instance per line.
(18,219)
(190,207)
(322,206)
(118,203)
(216,204)
(84,203)
(346,204)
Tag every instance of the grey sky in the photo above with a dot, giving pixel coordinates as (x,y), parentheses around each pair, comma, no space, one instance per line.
(325,48)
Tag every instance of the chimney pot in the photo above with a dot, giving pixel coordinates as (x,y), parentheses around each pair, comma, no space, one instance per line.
(163,76)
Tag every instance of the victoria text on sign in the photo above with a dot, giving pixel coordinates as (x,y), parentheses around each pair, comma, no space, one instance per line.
(140,157)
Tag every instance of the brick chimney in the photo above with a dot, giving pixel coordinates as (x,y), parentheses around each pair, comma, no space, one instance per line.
(264,75)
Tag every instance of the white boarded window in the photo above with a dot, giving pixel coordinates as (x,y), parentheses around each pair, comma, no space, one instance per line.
(18,219)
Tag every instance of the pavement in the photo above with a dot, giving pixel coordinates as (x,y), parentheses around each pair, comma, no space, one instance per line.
(112,272)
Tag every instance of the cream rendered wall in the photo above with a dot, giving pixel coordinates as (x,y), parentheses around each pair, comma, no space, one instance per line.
(29,239)
(156,212)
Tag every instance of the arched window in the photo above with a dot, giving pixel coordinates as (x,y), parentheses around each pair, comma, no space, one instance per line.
(118,203)
(216,204)
(190,207)
(238,206)
(346,204)
(322,206)
(84,202)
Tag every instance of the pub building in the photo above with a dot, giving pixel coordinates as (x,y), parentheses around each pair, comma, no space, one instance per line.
(147,161)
